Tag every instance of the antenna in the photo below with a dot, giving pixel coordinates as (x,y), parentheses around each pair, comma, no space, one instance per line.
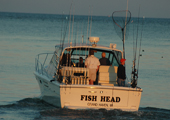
(87,26)
(91,21)
(72,24)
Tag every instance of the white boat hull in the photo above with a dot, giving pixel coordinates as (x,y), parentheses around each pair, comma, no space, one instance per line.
(88,96)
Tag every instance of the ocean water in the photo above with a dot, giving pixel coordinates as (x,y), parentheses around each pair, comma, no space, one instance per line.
(23,36)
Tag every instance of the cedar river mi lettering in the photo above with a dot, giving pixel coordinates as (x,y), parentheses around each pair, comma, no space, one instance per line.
(102,98)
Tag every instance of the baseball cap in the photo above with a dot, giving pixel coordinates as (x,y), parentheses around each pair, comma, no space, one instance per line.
(122,60)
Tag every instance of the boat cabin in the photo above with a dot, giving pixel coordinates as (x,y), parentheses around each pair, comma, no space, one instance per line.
(71,72)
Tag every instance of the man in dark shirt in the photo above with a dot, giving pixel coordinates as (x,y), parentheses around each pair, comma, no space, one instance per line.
(121,73)
(80,63)
(104,60)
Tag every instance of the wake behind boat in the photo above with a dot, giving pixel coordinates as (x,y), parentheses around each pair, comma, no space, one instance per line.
(65,84)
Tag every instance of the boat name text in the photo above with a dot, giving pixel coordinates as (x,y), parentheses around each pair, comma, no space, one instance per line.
(102,98)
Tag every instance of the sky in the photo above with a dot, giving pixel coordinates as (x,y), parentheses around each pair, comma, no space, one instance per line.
(147,8)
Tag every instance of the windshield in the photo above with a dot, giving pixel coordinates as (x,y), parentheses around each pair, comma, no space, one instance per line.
(75,53)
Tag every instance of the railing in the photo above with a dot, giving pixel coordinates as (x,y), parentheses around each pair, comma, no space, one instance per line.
(42,61)
(75,75)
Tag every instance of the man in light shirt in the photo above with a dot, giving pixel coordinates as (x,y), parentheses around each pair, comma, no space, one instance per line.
(92,63)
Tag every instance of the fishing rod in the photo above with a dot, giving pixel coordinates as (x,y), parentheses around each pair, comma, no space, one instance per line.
(63,38)
(66,29)
(62,29)
(76,34)
(70,43)
(87,31)
(135,70)
(140,44)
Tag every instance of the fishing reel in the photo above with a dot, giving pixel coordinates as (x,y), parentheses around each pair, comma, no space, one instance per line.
(68,80)
(134,78)
(134,73)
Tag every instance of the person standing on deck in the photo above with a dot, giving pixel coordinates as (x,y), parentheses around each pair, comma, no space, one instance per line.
(121,73)
(92,63)
(104,60)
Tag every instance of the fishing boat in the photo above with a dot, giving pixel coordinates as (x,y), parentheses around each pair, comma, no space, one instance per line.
(65,84)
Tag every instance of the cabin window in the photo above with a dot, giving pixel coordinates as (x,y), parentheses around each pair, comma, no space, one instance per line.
(115,63)
(118,56)
(77,53)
